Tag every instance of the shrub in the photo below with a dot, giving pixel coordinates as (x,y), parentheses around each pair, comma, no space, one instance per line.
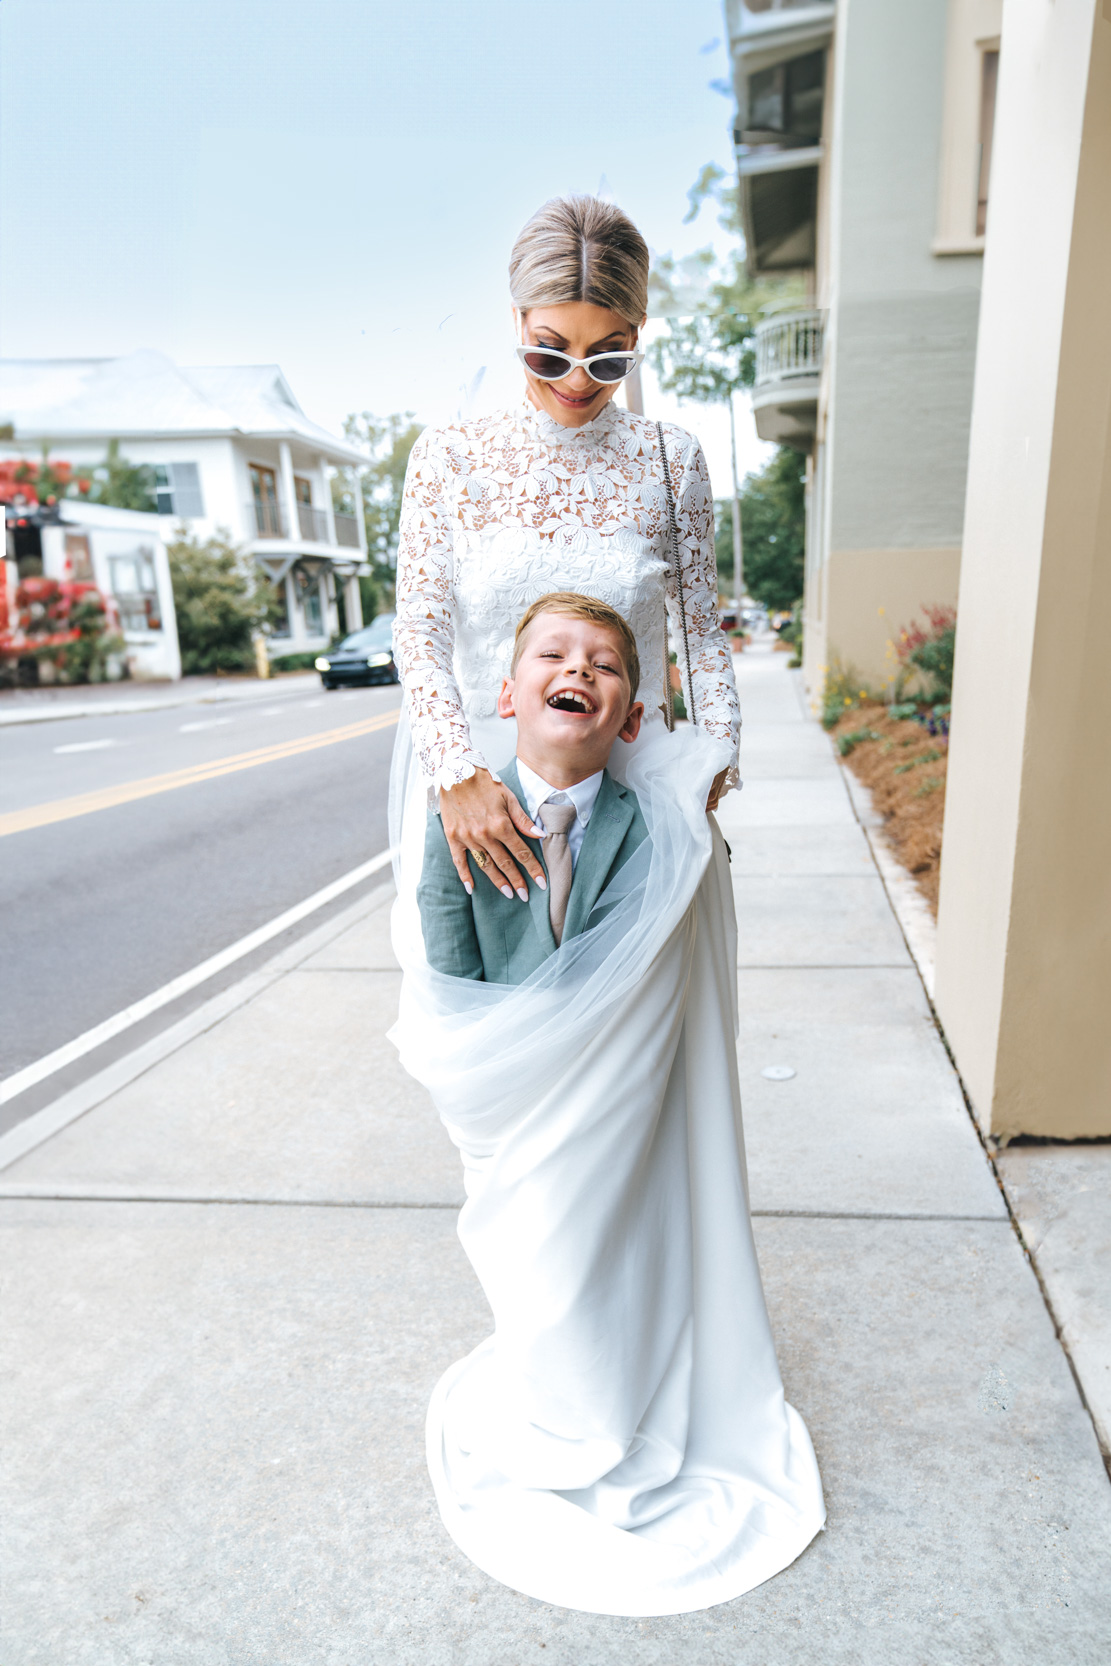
(844,688)
(846,743)
(928,651)
(221,602)
(66,625)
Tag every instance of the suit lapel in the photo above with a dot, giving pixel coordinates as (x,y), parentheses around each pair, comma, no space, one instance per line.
(537,899)
(602,840)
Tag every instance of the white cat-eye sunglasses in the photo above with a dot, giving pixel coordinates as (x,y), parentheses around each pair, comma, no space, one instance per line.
(548,364)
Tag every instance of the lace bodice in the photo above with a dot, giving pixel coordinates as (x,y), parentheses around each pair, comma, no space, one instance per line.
(500,510)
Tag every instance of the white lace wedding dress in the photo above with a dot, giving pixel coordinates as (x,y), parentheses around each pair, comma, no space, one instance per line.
(621,1443)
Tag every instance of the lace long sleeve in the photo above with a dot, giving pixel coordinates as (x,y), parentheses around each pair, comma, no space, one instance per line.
(424,629)
(715,686)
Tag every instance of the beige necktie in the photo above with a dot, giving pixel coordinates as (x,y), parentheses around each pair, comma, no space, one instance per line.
(557,820)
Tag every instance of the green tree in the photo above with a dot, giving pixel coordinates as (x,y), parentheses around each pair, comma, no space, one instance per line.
(122,485)
(389,441)
(711,308)
(773,523)
(221,601)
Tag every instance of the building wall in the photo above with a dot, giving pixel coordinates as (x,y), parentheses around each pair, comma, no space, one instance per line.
(897,389)
(1024,929)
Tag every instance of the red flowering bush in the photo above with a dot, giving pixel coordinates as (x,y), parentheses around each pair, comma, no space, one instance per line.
(928,651)
(70,625)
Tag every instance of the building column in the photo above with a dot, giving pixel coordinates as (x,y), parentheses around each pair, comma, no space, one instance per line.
(327,505)
(289,491)
(360,520)
(1024,952)
(353,602)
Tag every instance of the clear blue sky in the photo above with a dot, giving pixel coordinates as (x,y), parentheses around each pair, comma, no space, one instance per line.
(335,185)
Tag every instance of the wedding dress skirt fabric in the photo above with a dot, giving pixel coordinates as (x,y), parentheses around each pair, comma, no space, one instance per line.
(621,1443)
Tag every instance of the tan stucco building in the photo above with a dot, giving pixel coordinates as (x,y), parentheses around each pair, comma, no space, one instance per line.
(1023,978)
(861,155)
(941,171)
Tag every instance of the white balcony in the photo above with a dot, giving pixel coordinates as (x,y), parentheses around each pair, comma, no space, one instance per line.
(788,370)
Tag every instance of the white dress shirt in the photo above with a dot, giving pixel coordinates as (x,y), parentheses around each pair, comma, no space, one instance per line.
(583,795)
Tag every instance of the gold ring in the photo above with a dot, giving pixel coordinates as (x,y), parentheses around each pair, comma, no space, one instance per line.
(480,857)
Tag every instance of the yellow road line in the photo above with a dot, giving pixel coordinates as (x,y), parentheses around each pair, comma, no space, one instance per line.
(105,798)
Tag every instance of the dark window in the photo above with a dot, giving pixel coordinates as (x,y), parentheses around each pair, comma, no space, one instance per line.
(136,589)
(785,102)
(178,489)
(782,211)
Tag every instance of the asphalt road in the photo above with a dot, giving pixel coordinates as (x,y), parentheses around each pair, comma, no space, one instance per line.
(102,908)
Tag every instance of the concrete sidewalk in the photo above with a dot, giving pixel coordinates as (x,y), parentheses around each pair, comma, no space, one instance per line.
(57,703)
(234,1282)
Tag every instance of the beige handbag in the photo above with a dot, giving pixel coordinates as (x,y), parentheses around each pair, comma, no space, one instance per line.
(677,570)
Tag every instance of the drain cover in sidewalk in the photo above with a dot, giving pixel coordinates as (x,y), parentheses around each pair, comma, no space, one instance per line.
(777,1072)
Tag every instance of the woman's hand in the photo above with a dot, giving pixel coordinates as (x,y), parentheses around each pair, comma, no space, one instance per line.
(482,816)
(716,790)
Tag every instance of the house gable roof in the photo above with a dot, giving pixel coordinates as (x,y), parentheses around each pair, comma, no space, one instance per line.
(146,393)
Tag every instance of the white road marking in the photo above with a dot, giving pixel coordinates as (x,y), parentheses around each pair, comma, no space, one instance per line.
(23,1079)
(87,746)
(308,704)
(208,723)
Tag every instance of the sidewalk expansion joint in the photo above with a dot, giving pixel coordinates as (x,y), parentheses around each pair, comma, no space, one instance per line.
(90,1195)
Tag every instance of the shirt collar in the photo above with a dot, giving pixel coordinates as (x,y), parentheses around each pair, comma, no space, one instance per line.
(537,791)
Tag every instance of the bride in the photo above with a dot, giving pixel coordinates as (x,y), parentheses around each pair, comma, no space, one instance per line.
(621,1443)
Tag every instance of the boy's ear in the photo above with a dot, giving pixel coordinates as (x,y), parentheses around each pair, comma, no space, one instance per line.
(505,699)
(630,729)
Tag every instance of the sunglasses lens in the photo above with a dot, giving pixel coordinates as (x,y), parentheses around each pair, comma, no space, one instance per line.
(551,366)
(612,368)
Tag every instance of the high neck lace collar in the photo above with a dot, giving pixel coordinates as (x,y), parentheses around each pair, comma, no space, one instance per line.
(554,433)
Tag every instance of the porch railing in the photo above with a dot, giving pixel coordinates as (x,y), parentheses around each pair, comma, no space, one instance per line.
(267,519)
(347,531)
(313,523)
(788,346)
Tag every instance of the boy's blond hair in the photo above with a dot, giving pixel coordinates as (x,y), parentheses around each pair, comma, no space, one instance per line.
(574,606)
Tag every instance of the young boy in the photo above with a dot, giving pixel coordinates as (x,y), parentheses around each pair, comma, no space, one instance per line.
(572,687)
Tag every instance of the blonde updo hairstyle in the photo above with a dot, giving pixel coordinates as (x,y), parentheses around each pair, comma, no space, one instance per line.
(580,249)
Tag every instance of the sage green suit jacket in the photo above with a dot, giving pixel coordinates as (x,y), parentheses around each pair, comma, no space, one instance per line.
(490,937)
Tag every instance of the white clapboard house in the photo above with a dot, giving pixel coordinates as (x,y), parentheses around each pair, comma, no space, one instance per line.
(232,450)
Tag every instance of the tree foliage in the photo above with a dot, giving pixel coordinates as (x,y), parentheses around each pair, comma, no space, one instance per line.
(773,525)
(120,484)
(712,308)
(389,441)
(221,600)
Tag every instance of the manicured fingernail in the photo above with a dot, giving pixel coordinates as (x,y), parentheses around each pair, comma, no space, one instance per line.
(522,893)
(506,892)
(542,882)
(468,888)
(538,833)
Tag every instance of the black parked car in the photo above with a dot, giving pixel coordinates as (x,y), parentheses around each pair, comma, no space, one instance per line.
(366,656)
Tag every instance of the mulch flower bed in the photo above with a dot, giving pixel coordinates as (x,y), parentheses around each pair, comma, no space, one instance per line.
(903,761)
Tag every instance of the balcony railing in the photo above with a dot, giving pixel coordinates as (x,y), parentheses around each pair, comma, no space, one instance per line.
(313,524)
(267,519)
(788,347)
(347,531)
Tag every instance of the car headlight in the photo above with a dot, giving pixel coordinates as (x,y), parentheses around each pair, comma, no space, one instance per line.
(376,660)
(323,664)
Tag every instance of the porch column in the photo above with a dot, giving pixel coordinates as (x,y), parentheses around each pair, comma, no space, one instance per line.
(353,602)
(289,491)
(327,505)
(360,522)
(1023,949)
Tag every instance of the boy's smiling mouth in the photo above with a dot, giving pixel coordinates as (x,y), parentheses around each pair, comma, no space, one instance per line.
(572,700)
